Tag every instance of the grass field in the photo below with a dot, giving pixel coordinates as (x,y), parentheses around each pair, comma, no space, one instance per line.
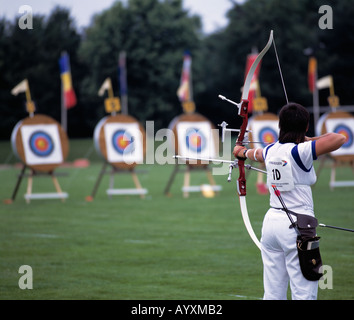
(160,247)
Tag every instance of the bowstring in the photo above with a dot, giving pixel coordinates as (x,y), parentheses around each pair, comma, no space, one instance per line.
(280,71)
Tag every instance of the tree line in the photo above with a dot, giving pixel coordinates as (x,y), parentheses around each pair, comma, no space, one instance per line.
(155,34)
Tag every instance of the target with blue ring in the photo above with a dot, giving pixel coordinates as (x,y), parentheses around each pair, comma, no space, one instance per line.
(122,142)
(41,144)
(347,132)
(195,140)
(267,135)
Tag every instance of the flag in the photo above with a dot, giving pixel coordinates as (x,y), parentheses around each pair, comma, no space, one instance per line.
(65,74)
(325,82)
(253,87)
(106,85)
(312,73)
(21,87)
(184,91)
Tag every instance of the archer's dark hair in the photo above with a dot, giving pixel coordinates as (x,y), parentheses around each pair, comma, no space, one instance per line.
(293,123)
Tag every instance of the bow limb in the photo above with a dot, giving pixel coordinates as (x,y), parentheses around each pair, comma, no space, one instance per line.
(247,84)
(243,112)
(243,108)
(247,222)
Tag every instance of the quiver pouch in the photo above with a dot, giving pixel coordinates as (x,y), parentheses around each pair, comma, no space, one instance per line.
(308,247)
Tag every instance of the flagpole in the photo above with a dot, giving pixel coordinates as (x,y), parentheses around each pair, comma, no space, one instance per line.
(123,81)
(23,86)
(63,110)
(111,95)
(316,105)
(29,102)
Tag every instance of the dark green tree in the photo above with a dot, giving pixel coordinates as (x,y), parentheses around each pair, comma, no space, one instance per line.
(295,25)
(335,51)
(154,34)
(33,54)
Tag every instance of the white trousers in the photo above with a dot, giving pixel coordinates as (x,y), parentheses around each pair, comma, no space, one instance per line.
(280,260)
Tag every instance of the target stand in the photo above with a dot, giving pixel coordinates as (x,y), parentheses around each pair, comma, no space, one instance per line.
(193,137)
(207,190)
(120,140)
(42,145)
(338,122)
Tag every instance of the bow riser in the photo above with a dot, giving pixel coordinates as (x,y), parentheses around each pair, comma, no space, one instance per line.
(241,181)
(243,110)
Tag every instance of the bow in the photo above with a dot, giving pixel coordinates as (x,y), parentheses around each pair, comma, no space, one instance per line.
(243,112)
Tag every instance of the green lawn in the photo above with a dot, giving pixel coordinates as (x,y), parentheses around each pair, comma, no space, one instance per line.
(159,247)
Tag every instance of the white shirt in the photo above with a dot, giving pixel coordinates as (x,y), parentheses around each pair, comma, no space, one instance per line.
(296,174)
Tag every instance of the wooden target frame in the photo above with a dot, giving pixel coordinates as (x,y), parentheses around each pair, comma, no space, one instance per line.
(193,165)
(194,117)
(338,160)
(45,137)
(267,116)
(19,147)
(100,141)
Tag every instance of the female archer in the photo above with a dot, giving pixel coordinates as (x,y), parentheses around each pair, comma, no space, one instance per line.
(289,164)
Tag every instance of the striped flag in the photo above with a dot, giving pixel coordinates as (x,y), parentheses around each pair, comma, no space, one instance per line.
(312,74)
(184,91)
(65,74)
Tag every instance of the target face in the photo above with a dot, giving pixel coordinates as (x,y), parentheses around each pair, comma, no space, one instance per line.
(124,142)
(344,126)
(264,132)
(41,144)
(195,139)
(345,131)
(267,135)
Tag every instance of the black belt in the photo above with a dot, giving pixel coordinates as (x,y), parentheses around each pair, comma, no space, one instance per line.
(291,212)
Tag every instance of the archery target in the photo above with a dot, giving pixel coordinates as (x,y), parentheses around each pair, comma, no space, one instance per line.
(265,131)
(346,132)
(124,142)
(41,144)
(195,139)
(267,135)
(344,126)
(120,140)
